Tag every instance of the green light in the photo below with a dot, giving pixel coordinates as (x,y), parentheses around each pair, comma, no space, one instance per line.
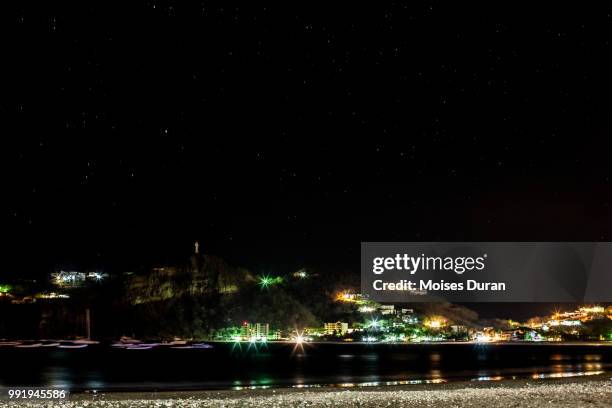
(374,324)
(266,281)
(5,288)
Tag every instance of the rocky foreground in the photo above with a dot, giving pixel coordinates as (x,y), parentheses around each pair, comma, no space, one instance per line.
(520,393)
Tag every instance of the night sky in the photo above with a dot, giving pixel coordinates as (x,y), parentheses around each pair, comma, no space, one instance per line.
(282,136)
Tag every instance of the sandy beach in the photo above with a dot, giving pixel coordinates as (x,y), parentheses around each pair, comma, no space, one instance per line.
(568,392)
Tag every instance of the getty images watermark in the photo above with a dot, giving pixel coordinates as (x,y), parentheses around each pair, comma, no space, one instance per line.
(487,271)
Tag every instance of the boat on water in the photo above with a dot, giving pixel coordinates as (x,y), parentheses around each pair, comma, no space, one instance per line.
(9,343)
(29,345)
(128,340)
(135,346)
(193,346)
(85,341)
(176,343)
(140,347)
(72,346)
(203,345)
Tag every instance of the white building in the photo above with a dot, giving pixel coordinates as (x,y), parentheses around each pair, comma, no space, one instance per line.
(340,328)
(262,330)
(387,309)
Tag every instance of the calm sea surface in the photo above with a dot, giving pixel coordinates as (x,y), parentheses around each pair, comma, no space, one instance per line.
(234,366)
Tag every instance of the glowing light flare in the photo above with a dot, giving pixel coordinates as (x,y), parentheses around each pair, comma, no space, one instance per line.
(435,322)
(300,340)
(265,281)
(345,297)
(374,324)
(593,309)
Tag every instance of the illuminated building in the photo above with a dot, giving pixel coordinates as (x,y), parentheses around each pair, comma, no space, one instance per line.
(76,279)
(262,330)
(387,309)
(246,330)
(275,335)
(68,278)
(347,296)
(459,328)
(301,274)
(338,328)
(573,318)
(409,318)
(435,322)
(481,337)
(592,310)
(257,331)
(314,331)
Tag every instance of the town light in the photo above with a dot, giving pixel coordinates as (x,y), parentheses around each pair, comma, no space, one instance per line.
(374,324)
(345,297)
(435,322)
(299,337)
(266,281)
(593,309)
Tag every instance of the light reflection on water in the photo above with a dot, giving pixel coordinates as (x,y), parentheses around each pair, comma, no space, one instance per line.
(61,377)
(430,381)
(336,367)
(488,378)
(565,375)
(57,377)
(535,376)
(359,384)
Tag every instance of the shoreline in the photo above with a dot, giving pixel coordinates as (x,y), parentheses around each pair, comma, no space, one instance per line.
(433,343)
(213,343)
(593,391)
